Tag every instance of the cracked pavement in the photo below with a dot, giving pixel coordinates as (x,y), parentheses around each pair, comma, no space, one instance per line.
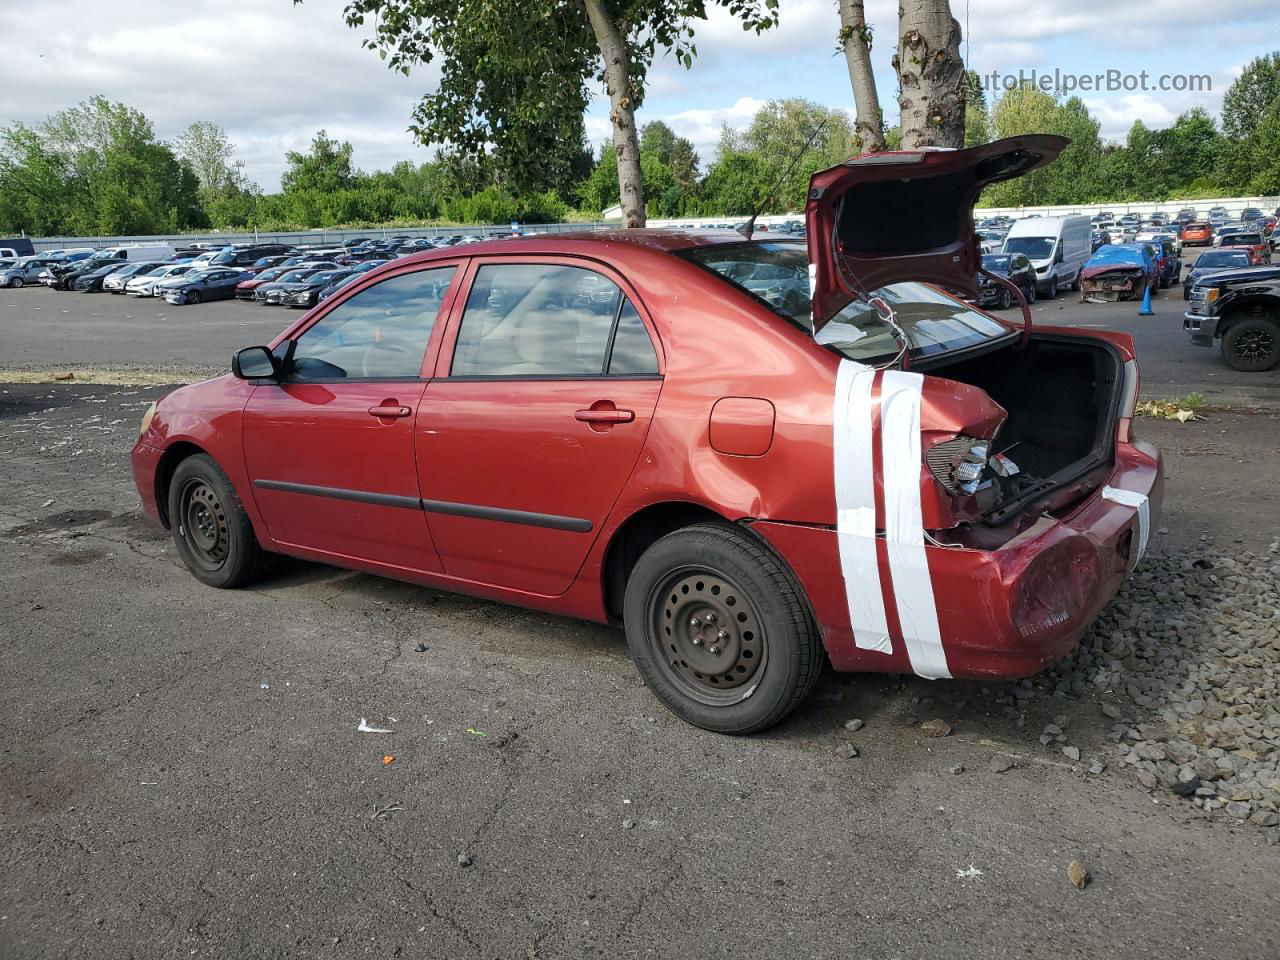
(181,774)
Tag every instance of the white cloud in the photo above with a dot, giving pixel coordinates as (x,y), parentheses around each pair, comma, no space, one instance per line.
(270,74)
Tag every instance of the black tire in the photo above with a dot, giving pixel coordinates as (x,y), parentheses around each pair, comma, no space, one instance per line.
(1076,283)
(709,586)
(1031,294)
(1053,289)
(1006,299)
(17,282)
(193,296)
(210,527)
(1252,344)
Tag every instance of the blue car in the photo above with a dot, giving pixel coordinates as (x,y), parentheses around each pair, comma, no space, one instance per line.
(208,283)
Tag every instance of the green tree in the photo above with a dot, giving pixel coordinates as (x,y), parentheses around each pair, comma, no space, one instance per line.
(206,149)
(1249,98)
(326,167)
(95,168)
(1023,109)
(977,122)
(1264,159)
(516,75)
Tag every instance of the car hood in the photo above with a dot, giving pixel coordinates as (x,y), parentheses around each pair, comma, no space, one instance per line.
(1231,274)
(886,218)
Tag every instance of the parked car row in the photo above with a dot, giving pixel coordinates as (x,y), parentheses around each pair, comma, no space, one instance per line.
(273,273)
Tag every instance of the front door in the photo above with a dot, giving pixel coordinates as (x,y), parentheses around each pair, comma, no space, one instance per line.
(330,449)
(525,445)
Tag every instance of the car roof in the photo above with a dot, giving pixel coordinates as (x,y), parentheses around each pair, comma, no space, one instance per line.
(664,240)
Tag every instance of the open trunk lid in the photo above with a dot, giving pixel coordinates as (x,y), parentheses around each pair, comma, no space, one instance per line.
(885,218)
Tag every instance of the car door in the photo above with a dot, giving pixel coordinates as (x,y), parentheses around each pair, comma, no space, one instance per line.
(330,447)
(545,389)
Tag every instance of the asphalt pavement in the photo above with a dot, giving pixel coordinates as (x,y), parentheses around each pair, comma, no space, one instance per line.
(182,773)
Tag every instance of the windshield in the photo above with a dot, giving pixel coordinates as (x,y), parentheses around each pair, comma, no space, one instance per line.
(1223,259)
(293,276)
(1035,248)
(778,273)
(996,264)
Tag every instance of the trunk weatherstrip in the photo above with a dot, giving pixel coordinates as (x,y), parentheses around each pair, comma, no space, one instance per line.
(502,514)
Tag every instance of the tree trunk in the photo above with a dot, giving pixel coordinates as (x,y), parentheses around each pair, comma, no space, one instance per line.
(617,80)
(855,38)
(931,80)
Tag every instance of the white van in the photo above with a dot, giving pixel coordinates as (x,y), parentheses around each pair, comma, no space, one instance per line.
(1056,246)
(141,251)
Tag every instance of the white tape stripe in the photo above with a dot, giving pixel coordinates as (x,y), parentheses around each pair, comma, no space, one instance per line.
(1138,501)
(904,523)
(856,506)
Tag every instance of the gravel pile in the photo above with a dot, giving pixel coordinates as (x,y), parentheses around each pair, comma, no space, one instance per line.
(1191,651)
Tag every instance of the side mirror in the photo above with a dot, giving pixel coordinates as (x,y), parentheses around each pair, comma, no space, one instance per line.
(253,363)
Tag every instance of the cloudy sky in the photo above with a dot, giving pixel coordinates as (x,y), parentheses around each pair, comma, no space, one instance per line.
(272,74)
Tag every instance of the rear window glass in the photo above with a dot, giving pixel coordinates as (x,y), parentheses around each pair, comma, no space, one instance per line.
(778,273)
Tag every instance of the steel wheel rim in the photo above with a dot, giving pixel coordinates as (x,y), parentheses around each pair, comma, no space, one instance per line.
(694,611)
(204,525)
(1255,345)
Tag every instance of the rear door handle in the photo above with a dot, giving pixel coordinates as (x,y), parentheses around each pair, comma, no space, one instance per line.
(605,416)
(389,411)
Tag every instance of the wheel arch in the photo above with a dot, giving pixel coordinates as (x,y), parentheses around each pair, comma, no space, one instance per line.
(173,455)
(634,535)
(654,521)
(1248,308)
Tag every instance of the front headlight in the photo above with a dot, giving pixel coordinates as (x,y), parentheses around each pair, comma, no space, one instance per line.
(146,419)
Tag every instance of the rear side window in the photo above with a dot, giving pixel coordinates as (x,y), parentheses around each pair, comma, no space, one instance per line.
(379,334)
(530,320)
(633,352)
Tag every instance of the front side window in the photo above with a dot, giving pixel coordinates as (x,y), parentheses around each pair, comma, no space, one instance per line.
(548,320)
(381,333)
(778,273)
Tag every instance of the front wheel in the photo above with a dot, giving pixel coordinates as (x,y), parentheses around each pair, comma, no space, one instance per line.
(17,281)
(1006,299)
(193,296)
(719,631)
(1252,345)
(210,528)
(1053,289)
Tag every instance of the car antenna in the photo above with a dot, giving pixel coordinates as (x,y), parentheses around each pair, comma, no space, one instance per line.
(748,228)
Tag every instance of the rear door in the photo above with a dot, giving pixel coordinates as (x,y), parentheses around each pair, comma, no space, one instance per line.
(330,449)
(543,397)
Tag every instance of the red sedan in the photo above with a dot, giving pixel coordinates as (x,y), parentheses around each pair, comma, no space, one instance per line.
(727,445)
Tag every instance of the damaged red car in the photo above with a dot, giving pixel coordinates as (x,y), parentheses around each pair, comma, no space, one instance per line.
(756,455)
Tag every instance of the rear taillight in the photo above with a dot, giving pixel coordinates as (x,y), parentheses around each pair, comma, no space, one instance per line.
(959,464)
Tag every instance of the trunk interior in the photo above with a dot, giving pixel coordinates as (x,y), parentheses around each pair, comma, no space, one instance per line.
(1062,395)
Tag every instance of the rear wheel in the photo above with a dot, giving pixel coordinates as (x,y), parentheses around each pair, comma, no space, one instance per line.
(210,527)
(719,631)
(1252,344)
